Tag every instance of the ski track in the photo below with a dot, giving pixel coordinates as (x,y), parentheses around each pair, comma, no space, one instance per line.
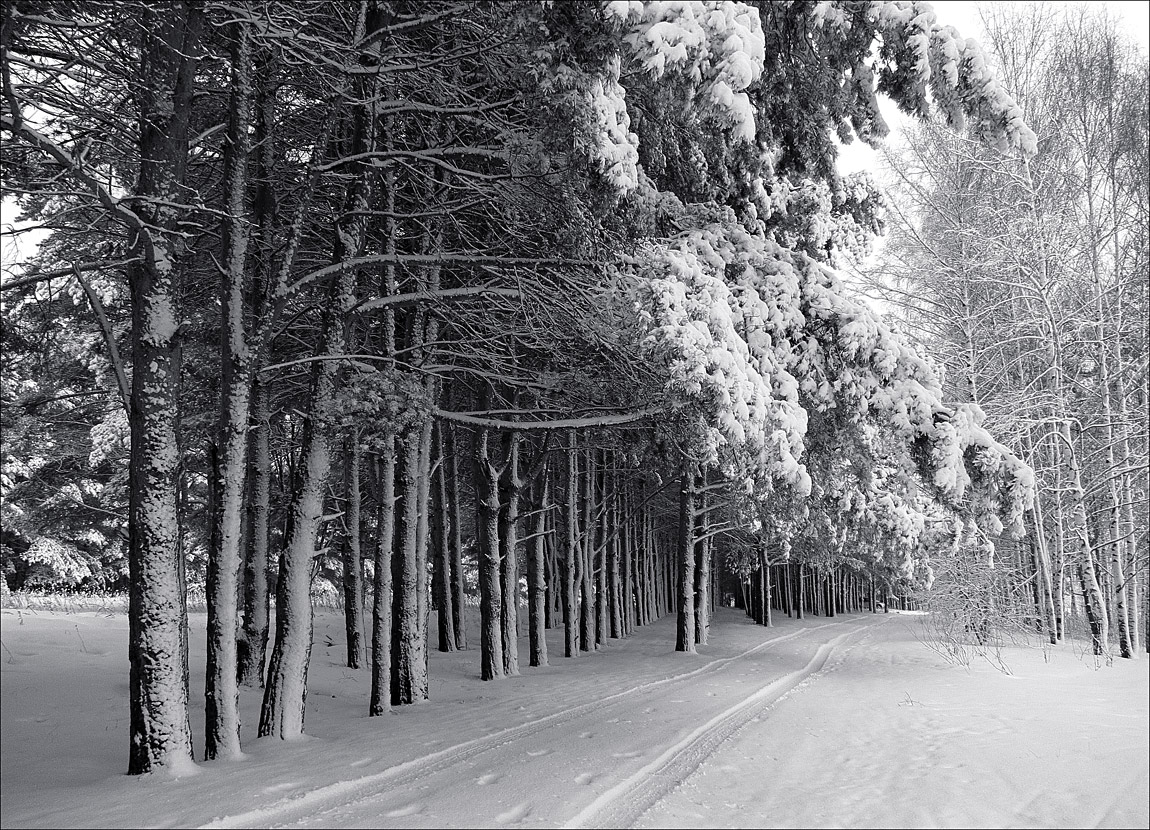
(623,804)
(341,793)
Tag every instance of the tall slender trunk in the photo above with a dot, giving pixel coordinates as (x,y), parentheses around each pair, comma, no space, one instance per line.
(455,516)
(441,533)
(628,541)
(251,649)
(406,657)
(351,552)
(571,552)
(510,488)
(614,567)
(600,549)
(158,697)
(767,619)
(703,577)
(381,608)
(285,694)
(587,559)
(536,590)
(490,589)
(685,627)
(422,588)
(221,692)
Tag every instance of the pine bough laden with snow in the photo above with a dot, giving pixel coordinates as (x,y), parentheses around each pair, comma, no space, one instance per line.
(606,275)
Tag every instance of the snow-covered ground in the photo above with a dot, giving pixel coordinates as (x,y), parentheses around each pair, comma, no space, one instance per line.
(847,722)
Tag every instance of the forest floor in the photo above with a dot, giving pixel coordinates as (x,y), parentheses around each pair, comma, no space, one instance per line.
(844,722)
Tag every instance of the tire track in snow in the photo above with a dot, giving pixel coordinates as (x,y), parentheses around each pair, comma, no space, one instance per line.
(340,793)
(623,804)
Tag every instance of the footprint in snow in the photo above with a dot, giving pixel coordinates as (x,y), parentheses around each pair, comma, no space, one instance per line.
(515,814)
(407,810)
(489,778)
(362,762)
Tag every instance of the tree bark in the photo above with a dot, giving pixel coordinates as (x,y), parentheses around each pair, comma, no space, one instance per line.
(251,649)
(510,488)
(490,589)
(457,594)
(536,590)
(351,553)
(685,627)
(158,698)
(442,586)
(702,579)
(571,553)
(600,556)
(407,660)
(587,640)
(381,609)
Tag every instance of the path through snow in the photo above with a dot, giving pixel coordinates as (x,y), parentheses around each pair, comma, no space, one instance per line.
(841,722)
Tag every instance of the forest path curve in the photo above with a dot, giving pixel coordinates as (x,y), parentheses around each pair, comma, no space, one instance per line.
(624,803)
(370,800)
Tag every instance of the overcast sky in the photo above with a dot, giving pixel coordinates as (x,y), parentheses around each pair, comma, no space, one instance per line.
(963,15)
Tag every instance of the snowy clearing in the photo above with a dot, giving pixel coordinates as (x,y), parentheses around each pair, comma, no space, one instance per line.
(848,721)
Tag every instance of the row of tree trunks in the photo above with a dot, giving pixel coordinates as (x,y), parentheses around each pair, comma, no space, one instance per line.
(285,691)
(770,587)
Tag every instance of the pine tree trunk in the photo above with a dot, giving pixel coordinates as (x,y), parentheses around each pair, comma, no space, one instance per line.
(381,608)
(800,599)
(766,591)
(587,560)
(614,567)
(406,658)
(221,692)
(702,578)
(536,593)
(457,593)
(490,591)
(285,693)
(251,649)
(421,688)
(571,553)
(442,531)
(158,698)
(351,553)
(510,487)
(630,562)
(685,628)
(600,557)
